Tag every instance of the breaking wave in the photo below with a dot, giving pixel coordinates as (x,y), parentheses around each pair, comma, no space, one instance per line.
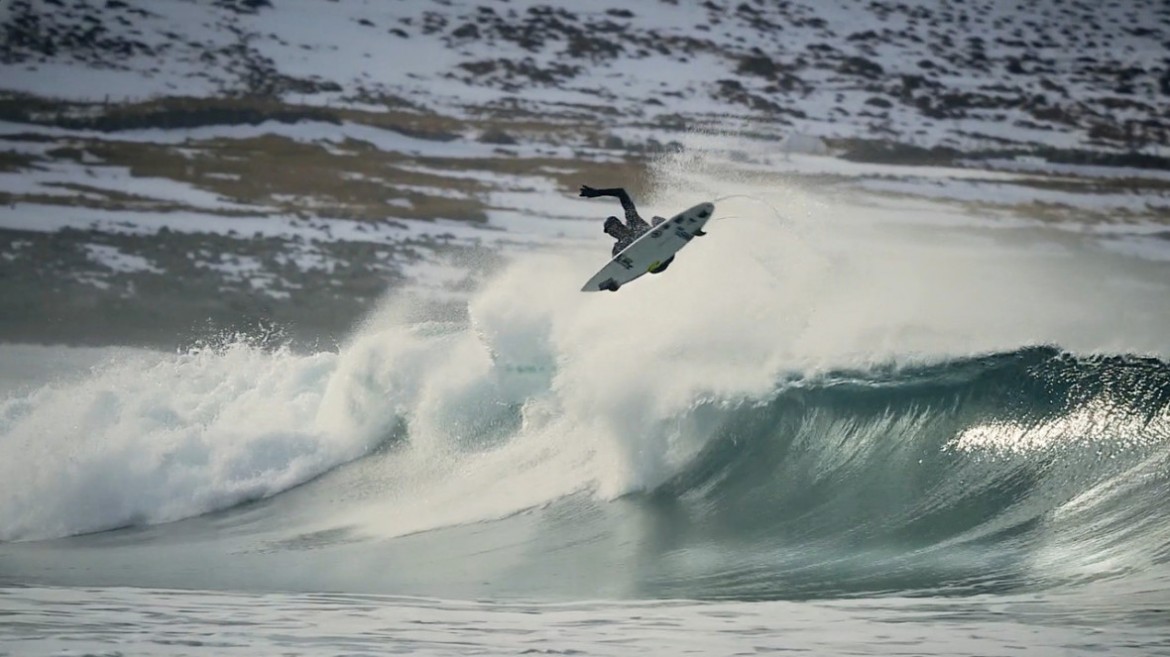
(798,408)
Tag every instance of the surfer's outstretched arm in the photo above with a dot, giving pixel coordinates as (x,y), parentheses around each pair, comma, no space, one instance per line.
(632,217)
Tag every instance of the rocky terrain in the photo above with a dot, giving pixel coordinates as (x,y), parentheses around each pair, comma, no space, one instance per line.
(167,166)
(965,74)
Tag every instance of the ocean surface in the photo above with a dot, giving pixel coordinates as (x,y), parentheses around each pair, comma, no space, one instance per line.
(924,436)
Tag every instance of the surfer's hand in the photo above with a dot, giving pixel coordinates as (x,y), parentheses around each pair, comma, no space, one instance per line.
(588,192)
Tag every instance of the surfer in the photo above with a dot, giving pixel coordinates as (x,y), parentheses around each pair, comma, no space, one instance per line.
(635,225)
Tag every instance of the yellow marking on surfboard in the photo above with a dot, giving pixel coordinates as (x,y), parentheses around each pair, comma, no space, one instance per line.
(653,266)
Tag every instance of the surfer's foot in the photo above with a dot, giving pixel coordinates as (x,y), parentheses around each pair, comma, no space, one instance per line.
(658,268)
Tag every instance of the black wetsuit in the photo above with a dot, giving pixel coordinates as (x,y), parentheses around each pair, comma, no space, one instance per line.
(635,225)
(625,239)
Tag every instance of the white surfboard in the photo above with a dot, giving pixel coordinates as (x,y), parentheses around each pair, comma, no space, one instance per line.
(651,249)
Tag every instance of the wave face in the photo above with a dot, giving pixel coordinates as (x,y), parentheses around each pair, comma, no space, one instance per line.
(1029,468)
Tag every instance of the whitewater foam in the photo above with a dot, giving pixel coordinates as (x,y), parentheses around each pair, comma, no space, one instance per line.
(158,437)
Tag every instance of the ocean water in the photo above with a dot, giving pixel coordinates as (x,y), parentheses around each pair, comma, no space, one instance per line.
(841,428)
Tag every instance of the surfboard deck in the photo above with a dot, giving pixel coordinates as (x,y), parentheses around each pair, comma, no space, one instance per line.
(651,251)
